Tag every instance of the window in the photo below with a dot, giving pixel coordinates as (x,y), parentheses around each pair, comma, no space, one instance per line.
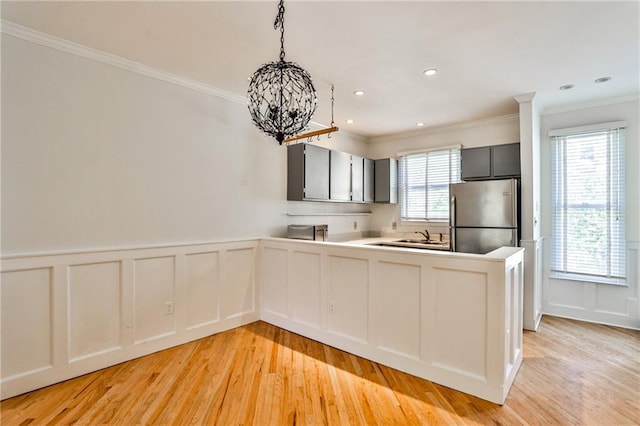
(588,226)
(424,184)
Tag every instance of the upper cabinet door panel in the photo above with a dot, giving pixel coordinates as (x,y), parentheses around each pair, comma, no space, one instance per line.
(357,178)
(386,180)
(340,181)
(368,191)
(505,160)
(316,173)
(476,163)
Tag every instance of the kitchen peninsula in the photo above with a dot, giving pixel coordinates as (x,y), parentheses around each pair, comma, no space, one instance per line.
(452,318)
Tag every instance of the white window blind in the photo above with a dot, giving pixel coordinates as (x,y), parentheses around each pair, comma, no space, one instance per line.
(588,205)
(424,184)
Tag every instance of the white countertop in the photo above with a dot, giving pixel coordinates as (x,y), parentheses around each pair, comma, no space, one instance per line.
(369,243)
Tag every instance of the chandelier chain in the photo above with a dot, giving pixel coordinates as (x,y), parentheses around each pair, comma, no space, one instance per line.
(332,123)
(279,22)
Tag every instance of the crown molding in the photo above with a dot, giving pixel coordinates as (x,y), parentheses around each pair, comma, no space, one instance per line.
(446,128)
(591,104)
(25,33)
(63,45)
(525,97)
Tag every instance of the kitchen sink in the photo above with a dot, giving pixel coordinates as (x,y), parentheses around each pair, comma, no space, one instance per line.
(444,243)
(419,244)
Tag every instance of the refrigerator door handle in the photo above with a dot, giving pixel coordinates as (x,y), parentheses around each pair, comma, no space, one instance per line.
(452,223)
(514,205)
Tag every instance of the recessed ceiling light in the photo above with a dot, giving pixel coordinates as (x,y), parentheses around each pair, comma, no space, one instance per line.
(350,121)
(420,124)
(359,93)
(566,87)
(602,80)
(430,72)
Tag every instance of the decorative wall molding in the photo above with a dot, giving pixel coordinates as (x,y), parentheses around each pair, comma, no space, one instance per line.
(590,104)
(525,97)
(447,128)
(402,309)
(63,45)
(74,313)
(80,50)
(532,310)
(615,305)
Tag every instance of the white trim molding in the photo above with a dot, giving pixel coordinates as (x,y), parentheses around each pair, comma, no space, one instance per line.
(63,45)
(24,33)
(587,129)
(446,128)
(75,313)
(616,305)
(532,309)
(590,104)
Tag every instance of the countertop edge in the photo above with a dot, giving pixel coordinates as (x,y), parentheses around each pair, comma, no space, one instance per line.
(500,254)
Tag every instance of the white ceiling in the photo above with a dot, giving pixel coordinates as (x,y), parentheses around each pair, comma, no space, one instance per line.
(485,52)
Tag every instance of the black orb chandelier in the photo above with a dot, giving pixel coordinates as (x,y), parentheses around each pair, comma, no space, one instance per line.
(281,95)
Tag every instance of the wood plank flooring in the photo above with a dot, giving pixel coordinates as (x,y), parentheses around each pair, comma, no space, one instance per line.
(573,373)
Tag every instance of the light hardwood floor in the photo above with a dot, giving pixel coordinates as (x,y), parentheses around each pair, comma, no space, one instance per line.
(573,373)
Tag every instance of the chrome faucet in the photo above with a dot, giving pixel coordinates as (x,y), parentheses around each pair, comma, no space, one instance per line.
(425,234)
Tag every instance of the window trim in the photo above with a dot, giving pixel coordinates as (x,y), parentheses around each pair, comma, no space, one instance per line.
(428,150)
(573,131)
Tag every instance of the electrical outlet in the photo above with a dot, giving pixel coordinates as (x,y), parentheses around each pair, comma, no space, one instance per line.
(168,308)
(332,307)
(394,225)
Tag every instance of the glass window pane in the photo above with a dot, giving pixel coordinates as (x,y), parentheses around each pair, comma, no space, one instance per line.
(424,184)
(588,204)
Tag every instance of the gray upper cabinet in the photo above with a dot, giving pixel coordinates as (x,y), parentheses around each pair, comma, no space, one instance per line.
(368,191)
(307,173)
(340,176)
(357,179)
(505,160)
(491,162)
(386,180)
(319,174)
(476,163)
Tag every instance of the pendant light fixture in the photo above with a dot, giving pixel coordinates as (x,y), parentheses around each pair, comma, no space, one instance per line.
(282,98)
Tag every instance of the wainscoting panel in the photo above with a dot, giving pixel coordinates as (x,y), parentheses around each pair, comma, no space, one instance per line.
(26,321)
(448,318)
(455,334)
(239,284)
(154,298)
(349,297)
(533,258)
(202,289)
(617,305)
(306,270)
(399,329)
(67,314)
(274,283)
(95,309)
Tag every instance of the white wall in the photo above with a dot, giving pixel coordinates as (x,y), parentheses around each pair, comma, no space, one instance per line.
(617,305)
(95,156)
(496,131)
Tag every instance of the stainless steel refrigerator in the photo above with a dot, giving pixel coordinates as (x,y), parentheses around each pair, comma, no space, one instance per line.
(484,215)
